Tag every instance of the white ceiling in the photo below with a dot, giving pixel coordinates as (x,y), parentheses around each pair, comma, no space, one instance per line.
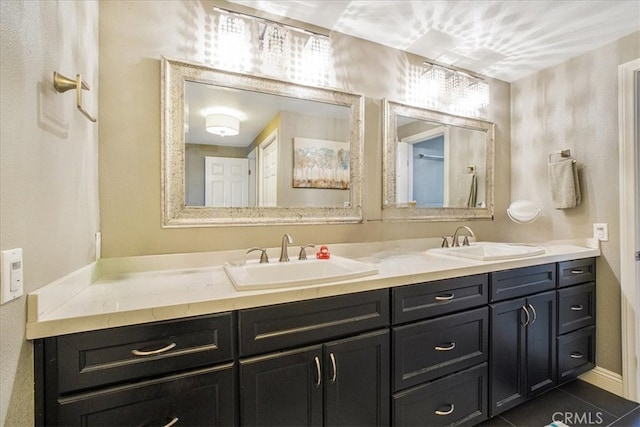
(507,39)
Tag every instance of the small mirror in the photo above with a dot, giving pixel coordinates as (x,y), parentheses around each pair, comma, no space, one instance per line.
(436,166)
(246,150)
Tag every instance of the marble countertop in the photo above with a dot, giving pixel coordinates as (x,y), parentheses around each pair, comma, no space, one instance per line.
(126,291)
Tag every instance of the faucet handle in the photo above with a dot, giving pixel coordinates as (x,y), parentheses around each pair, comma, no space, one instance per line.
(465,241)
(303,253)
(264,258)
(445,242)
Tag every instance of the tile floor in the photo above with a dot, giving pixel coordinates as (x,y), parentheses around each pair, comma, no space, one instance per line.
(576,404)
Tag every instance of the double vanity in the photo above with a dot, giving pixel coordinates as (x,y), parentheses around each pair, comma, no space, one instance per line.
(422,335)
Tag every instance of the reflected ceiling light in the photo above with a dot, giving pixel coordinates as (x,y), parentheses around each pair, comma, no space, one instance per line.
(222,124)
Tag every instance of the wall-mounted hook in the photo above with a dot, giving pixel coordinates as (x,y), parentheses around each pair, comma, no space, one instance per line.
(63,84)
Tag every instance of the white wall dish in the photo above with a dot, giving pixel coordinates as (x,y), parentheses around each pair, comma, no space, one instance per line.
(523,211)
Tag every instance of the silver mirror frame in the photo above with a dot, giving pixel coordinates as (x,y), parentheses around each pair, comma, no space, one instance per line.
(390,212)
(175,213)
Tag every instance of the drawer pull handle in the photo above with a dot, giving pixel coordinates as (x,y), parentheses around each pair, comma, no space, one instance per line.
(449,412)
(153,352)
(535,315)
(577,307)
(448,297)
(171,422)
(526,322)
(334,368)
(318,371)
(450,347)
(576,355)
(580,271)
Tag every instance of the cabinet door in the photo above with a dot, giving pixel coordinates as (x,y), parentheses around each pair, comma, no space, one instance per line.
(356,376)
(507,354)
(282,389)
(541,343)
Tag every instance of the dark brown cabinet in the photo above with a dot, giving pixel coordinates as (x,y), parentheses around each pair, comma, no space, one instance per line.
(430,349)
(340,383)
(576,318)
(440,374)
(308,378)
(459,399)
(203,397)
(158,373)
(522,349)
(442,353)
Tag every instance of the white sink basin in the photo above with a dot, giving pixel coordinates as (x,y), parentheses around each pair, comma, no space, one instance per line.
(490,251)
(253,275)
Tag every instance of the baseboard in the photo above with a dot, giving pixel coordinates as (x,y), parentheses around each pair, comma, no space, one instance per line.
(604,379)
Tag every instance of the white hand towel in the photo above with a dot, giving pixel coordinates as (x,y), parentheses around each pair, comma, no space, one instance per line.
(565,188)
(467,191)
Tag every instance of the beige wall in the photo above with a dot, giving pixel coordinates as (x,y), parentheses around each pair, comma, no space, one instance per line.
(575,105)
(130,52)
(49,167)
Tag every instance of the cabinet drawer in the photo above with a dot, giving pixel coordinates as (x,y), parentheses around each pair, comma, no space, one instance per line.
(198,398)
(576,307)
(576,353)
(578,271)
(459,399)
(90,359)
(289,325)
(520,282)
(424,300)
(431,349)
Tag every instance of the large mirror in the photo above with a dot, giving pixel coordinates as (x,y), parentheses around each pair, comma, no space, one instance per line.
(436,166)
(247,150)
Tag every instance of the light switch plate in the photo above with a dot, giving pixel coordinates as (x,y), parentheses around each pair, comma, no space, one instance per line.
(11,275)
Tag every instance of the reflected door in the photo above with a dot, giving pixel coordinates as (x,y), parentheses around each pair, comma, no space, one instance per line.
(226,182)
(428,172)
(268,182)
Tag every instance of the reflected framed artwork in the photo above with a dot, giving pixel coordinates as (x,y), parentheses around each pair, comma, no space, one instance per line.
(319,163)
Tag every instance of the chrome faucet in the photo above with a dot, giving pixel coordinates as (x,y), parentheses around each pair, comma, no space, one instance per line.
(284,253)
(465,242)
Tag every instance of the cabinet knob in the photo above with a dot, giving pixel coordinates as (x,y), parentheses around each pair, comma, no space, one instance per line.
(577,271)
(577,307)
(576,355)
(447,412)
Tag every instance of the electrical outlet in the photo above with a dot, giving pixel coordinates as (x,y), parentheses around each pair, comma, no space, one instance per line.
(601,231)
(11,283)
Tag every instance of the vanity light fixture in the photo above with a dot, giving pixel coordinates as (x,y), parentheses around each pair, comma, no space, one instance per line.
(233,43)
(275,48)
(272,47)
(458,90)
(222,124)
